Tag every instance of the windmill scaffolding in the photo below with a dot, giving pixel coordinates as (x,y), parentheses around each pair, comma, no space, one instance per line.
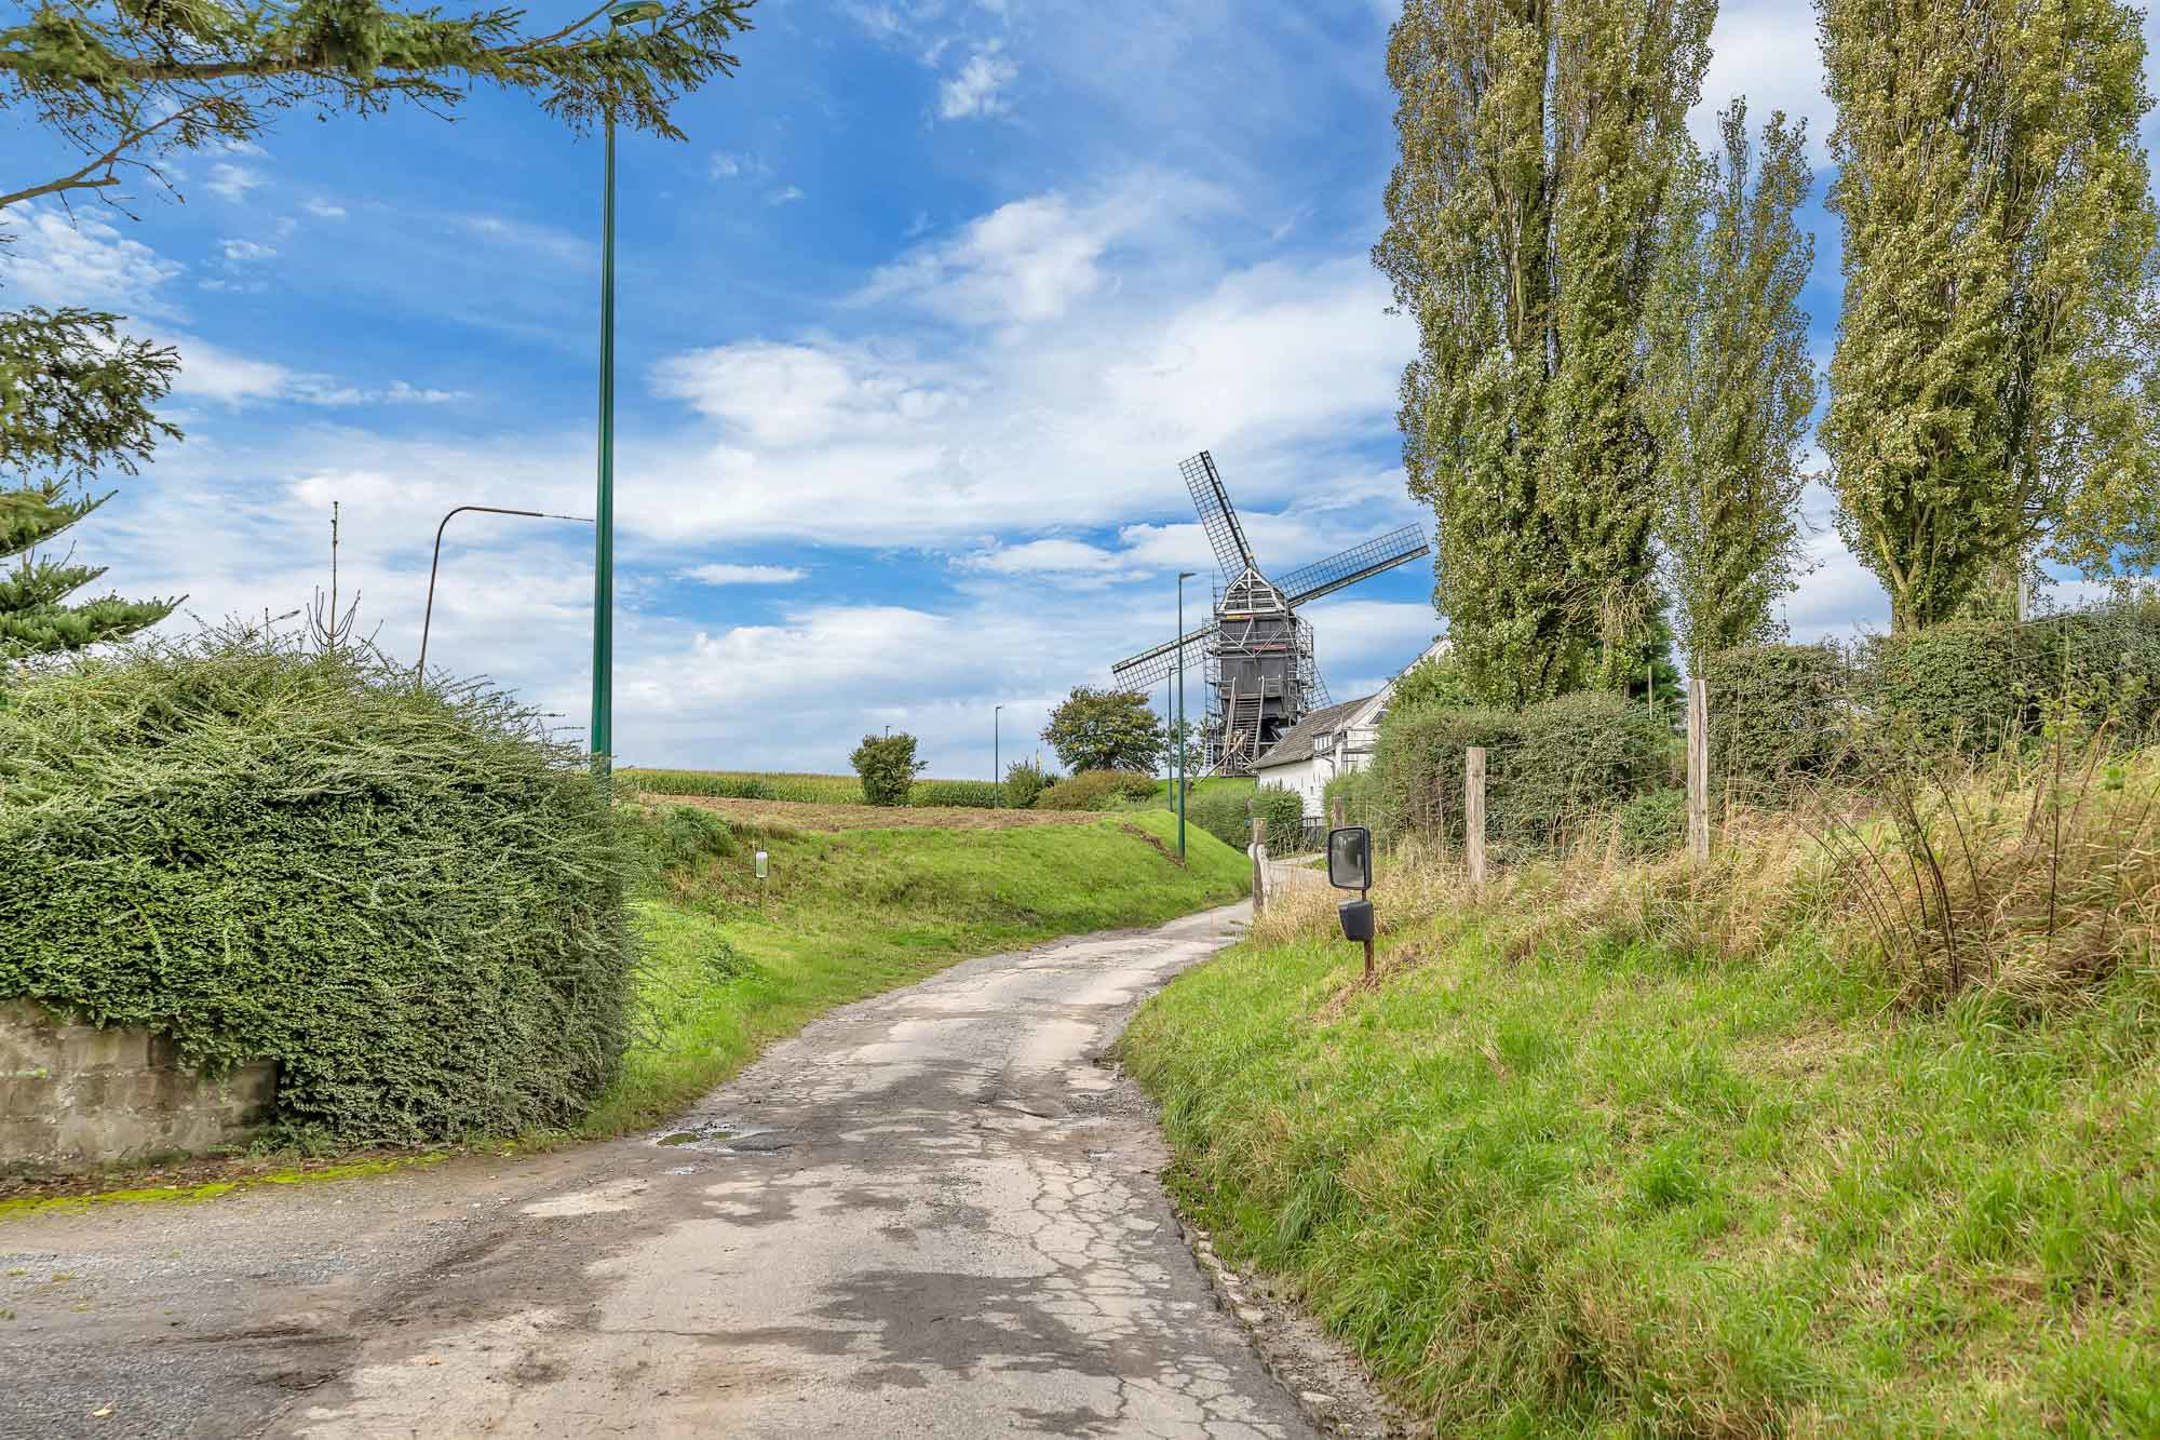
(1257,651)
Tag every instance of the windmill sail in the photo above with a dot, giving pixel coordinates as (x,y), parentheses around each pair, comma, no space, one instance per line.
(1216,517)
(1142,671)
(1359,562)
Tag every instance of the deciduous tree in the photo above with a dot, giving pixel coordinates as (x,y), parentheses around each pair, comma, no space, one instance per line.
(1538,144)
(1734,385)
(1105,730)
(1989,392)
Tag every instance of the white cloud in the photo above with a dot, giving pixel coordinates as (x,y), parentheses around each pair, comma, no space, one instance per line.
(210,372)
(978,89)
(724,166)
(1765,50)
(785,195)
(1050,557)
(246,252)
(58,262)
(324,209)
(794,394)
(232,182)
(725,574)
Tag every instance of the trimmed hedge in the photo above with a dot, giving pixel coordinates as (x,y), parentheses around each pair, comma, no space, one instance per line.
(1223,810)
(1777,715)
(412,901)
(1548,768)
(1096,790)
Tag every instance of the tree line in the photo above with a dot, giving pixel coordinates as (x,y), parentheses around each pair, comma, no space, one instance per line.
(1612,400)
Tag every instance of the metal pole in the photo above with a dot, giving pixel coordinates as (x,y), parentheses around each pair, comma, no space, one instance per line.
(602,734)
(997,770)
(1184,760)
(427,617)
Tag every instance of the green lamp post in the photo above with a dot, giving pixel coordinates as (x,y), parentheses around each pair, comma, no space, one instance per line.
(602,733)
(1183,576)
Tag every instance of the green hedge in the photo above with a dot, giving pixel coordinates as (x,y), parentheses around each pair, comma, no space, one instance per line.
(1549,768)
(1096,790)
(411,901)
(1224,811)
(1282,811)
(1777,715)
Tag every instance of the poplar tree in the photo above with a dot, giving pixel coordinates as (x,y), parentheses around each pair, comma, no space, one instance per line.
(1733,381)
(1988,391)
(1538,143)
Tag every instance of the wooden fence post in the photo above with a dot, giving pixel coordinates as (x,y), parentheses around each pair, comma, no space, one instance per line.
(1259,865)
(1698,770)
(1474,812)
(1337,812)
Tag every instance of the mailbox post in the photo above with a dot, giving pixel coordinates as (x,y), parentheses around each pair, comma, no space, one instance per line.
(1349,867)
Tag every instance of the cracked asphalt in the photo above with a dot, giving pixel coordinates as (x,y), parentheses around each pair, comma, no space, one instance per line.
(932,1213)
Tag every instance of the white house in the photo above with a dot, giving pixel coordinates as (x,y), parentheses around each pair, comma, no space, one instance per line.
(1333,740)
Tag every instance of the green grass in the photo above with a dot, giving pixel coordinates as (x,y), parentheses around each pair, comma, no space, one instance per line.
(733,965)
(1623,1192)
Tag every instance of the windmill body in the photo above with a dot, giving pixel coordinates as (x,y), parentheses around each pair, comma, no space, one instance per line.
(1256,651)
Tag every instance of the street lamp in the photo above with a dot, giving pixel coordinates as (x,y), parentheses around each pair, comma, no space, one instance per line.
(427,617)
(602,735)
(997,772)
(1183,576)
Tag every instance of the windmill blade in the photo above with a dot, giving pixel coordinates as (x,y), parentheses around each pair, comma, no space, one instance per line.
(1359,562)
(1140,672)
(1216,516)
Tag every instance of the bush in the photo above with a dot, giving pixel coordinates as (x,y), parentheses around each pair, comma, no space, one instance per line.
(1024,784)
(1778,715)
(682,835)
(1652,825)
(1357,794)
(957,794)
(888,768)
(1969,685)
(1282,811)
(1223,809)
(1548,769)
(409,899)
(1096,790)
(1417,767)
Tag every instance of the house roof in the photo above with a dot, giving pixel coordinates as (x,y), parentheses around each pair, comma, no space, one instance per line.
(1297,742)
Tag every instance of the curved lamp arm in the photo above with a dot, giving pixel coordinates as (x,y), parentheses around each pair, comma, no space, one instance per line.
(428,617)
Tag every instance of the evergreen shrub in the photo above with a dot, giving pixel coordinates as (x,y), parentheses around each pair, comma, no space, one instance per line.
(1223,809)
(407,897)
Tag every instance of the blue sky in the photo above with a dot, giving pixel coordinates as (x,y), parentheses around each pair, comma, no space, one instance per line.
(912,334)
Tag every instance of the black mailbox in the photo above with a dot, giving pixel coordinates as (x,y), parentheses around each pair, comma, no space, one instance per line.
(1357,921)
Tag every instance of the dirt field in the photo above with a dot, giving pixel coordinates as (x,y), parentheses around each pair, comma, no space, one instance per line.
(877,817)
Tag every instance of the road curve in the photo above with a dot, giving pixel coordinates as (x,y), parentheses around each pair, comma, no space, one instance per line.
(929,1214)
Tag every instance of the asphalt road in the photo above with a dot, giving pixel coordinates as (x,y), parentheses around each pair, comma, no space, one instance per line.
(930,1214)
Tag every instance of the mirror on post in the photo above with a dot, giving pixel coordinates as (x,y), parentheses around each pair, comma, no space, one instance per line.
(1349,867)
(1349,857)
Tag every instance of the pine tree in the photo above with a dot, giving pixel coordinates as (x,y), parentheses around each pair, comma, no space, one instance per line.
(1989,392)
(1735,387)
(74,398)
(1538,144)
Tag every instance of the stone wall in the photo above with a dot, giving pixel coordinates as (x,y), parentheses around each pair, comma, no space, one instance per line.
(77,1094)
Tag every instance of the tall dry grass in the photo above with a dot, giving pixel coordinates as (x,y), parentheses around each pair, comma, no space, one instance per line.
(2037,872)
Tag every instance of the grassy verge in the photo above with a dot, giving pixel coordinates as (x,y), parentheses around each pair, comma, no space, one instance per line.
(1600,1178)
(734,964)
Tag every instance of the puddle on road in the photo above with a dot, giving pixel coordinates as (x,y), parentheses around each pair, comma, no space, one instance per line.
(729,1138)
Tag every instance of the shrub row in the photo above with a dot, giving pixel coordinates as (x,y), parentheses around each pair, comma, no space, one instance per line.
(409,899)
(1549,768)
(807,789)
(1788,714)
